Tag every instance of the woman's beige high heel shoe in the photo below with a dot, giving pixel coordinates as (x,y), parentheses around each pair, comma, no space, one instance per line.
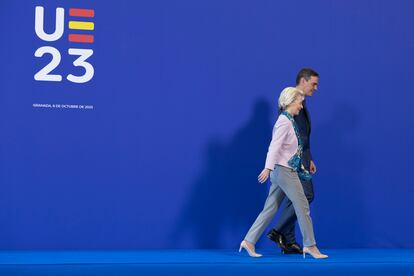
(314,252)
(249,250)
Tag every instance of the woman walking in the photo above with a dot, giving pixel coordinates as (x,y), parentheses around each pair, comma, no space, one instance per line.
(284,166)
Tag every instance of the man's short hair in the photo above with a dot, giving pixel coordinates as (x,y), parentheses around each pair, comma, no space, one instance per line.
(306,73)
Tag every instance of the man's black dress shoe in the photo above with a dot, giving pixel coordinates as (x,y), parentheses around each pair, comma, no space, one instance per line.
(278,238)
(292,248)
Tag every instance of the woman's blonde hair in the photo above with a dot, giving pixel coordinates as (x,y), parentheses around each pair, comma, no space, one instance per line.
(288,96)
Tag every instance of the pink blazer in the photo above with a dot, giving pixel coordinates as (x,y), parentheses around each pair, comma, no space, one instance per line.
(284,144)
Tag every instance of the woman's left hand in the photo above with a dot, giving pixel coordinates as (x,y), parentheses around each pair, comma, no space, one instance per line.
(263,176)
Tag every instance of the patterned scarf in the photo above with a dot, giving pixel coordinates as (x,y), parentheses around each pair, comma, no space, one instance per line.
(296,160)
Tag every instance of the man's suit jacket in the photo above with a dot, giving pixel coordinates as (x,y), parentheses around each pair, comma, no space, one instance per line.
(303,122)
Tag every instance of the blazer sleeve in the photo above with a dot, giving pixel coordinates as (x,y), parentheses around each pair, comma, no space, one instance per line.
(280,131)
(310,153)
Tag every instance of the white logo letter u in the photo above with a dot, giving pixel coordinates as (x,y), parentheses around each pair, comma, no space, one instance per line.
(39,28)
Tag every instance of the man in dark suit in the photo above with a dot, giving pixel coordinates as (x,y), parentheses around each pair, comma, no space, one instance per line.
(283,234)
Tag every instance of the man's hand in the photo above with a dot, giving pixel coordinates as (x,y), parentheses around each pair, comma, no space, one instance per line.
(312,167)
(263,176)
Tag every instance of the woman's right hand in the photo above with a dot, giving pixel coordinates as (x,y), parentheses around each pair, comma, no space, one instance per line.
(263,176)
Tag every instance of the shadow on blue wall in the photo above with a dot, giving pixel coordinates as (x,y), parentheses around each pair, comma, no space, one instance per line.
(226,195)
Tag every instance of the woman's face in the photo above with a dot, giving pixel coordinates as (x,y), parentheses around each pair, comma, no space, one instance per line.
(296,106)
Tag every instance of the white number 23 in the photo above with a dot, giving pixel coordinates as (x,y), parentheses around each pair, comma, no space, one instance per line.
(44,73)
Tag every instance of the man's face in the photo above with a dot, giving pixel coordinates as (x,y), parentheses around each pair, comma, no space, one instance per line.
(310,86)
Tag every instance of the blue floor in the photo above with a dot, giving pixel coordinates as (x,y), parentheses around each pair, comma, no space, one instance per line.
(205,262)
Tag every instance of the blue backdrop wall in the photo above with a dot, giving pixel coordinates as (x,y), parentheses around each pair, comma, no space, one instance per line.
(160,146)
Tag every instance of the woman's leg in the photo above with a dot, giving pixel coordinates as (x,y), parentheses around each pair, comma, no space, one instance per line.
(274,198)
(289,182)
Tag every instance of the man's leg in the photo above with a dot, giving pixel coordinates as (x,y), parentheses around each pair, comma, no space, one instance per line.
(287,221)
